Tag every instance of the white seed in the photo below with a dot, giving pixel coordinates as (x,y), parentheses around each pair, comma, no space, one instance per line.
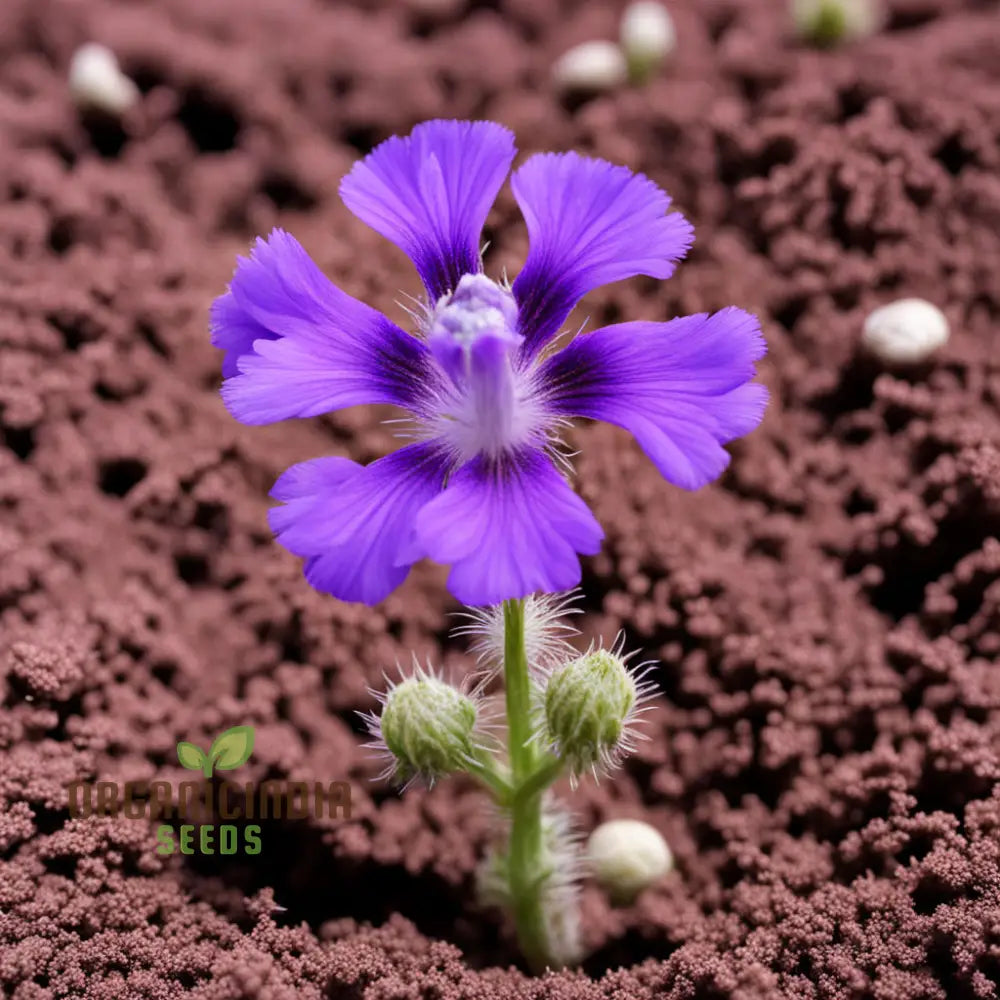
(648,37)
(592,67)
(905,332)
(828,22)
(96,81)
(626,856)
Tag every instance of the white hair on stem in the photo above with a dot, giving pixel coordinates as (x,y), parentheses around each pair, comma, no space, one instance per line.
(546,633)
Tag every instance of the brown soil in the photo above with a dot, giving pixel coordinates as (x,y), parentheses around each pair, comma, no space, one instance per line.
(825,762)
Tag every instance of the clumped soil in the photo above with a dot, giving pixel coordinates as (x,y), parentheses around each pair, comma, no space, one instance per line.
(825,760)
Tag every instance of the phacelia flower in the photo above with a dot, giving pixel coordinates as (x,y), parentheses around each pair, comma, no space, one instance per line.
(478,487)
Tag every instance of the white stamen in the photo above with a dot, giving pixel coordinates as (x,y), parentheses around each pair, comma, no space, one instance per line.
(487,404)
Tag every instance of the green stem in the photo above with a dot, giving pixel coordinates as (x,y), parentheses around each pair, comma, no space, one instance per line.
(518,691)
(548,769)
(526,848)
(485,769)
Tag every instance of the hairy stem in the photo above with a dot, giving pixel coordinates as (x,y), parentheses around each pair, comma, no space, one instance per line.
(526,857)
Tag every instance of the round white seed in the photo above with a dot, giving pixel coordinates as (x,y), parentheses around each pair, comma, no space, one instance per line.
(591,67)
(626,856)
(96,81)
(905,332)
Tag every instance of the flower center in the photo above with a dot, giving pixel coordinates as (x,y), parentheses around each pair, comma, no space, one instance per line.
(472,335)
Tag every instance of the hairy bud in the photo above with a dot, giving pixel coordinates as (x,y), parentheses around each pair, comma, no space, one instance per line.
(426,727)
(590,706)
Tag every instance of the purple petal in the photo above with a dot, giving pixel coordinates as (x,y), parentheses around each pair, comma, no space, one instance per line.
(297,346)
(590,223)
(353,522)
(508,529)
(234,331)
(430,194)
(682,388)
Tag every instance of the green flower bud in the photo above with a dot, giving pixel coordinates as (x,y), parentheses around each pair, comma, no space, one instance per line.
(427,727)
(830,22)
(648,38)
(589,706)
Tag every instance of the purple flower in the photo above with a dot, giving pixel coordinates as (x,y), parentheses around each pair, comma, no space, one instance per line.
(478,487)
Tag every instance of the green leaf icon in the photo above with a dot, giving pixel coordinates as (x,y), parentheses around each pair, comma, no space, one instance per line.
(190,756)
(232,748)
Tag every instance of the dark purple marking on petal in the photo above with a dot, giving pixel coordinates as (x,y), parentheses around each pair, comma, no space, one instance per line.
(683,388)
(590,223)
(297,346)
(430,193)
